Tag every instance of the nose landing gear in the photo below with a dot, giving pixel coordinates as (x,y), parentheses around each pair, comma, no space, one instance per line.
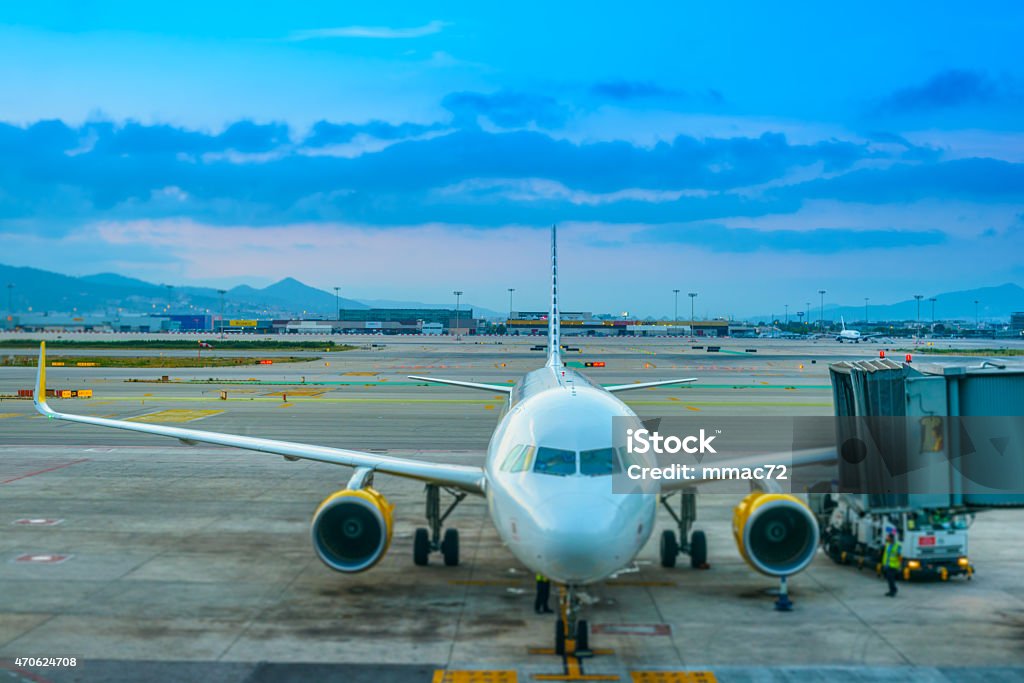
(572,634)
(426,541)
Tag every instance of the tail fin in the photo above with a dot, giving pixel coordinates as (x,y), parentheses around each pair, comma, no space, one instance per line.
(554,321)
(843,321)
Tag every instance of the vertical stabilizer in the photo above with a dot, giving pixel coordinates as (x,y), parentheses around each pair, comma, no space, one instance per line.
(554,320)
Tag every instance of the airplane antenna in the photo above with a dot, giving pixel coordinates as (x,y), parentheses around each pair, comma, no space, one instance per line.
(554,322)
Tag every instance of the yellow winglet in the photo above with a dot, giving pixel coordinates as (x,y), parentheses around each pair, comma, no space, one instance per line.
(42,367)
(39,397)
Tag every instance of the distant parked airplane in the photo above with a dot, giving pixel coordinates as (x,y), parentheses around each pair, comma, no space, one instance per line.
(852,335)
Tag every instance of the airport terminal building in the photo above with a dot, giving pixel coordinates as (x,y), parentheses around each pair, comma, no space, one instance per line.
(583,323)
(409,320)
(430,321)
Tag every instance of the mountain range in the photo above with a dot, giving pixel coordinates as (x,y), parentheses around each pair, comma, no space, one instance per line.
(43,291)
(994,303)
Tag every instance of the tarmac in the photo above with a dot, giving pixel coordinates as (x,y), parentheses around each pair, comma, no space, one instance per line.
(151,560)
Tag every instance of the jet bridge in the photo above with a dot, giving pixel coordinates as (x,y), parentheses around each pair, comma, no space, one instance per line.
(922,448)
(930,435)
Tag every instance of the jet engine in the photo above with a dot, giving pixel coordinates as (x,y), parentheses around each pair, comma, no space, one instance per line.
(776,533)
(352,529)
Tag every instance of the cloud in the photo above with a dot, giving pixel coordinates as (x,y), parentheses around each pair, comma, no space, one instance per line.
(719,238)
(541,189)
(945,90)
(325,133)
(374,32)
(252,138)
(506,109)
(968,179)
(628,90)
(54,177)
(625,92)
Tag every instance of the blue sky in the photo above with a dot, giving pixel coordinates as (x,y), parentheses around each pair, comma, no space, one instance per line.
(751,153)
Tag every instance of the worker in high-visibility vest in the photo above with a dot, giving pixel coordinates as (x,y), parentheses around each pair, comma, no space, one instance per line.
(892,562)
(540,604)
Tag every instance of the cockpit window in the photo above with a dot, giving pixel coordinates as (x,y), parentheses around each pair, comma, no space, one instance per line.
(555,461)
(518,459)
(523,461)
(629,458)
(510,459)
(599,462)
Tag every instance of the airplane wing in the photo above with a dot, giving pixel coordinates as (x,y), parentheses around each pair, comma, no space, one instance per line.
(801,458)
(464,477)
(612,388)
(467,385)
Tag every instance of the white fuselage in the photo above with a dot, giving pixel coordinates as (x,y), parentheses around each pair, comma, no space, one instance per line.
(571,527)
(849,335)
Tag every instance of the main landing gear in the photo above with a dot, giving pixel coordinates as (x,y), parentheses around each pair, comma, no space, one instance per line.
(426,541)
(572,634)
(671,544)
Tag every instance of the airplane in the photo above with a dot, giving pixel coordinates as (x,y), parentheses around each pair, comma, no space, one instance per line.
(547,484)
(853,336)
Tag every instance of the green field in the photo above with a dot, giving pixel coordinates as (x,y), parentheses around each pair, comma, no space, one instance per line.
(145,344)
(142,361)
(965,352)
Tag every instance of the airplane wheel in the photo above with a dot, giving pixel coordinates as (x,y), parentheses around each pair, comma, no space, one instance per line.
(582,636)
(450,547)
(669,548)
(559,637)
(421,547)
(698,549)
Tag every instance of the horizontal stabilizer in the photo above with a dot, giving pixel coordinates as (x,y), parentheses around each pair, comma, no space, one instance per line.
(467,385)
(647,385)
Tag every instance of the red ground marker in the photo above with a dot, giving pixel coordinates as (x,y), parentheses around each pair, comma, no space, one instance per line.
(37,521)
(41,558)
(633,629)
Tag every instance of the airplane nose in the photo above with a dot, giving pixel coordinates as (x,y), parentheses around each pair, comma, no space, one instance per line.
(586,538)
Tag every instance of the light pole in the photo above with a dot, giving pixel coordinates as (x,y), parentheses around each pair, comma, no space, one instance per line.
(919,297)
(808,305)
(800,317)
(511,291)
(458,321)
(222,292)
(692,295)
(976,322)
(866,299)
(337,303)
(10,298)
(821,318)
(787,315)
(933,300)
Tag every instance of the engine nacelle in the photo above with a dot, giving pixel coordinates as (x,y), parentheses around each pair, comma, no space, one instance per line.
(776,533)
(352,529)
